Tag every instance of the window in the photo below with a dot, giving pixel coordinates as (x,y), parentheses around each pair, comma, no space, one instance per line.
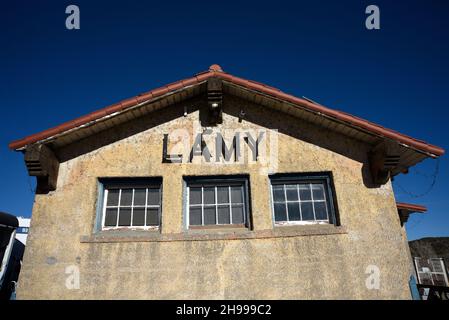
(302,199)
(431,271)
(217,201)
(131,203)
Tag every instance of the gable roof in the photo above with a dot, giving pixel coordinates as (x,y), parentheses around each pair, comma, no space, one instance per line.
(253,86)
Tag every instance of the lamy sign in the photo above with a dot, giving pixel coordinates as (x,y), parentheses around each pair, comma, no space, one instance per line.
(229,146)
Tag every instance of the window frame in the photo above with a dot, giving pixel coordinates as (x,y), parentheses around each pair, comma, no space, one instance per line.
(303,178)
(216,181)
(105,184)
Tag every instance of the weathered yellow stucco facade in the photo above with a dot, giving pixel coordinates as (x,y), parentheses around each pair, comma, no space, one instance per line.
(265,262)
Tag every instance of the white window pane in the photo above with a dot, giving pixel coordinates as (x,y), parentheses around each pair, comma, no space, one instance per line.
(113,197)
(126,198)
(195,216)
(236,194)
(292,192)
(124,218)
(152,217)
(223,194)
(209,195)
(320,210)
(139,216)
(224,215)
(139,197)
(195,195)
(280,212)
(304,192)
(436,265)
(154,196)
(426,278)
(237,214)
(318,191)
(293,211)
(278,193)
(209,215)
(110,220)
(438,279)
(307,211)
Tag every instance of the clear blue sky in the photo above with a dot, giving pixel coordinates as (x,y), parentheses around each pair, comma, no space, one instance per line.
(397,76)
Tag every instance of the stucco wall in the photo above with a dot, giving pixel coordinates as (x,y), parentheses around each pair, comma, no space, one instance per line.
(322,264)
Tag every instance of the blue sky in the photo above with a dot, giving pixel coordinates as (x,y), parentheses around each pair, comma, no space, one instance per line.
(397,76)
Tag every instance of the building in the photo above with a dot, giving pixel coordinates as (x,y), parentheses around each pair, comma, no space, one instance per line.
(217,187)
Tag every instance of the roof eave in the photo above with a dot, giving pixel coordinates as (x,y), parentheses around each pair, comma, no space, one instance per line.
(215,71)
(410,207)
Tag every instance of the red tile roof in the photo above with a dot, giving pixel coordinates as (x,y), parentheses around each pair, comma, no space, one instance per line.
(410,207)
(216,71)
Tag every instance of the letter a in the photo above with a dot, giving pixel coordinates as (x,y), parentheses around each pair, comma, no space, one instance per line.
(373,20)
(72,21)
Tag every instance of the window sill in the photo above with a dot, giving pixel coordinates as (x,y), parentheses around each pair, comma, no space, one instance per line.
(214,234)
(117,234)
(309,229)
(218,227)
(130,229)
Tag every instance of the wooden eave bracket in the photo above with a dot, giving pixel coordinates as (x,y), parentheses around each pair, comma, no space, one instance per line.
(403,216)
(383,158)
(42,163)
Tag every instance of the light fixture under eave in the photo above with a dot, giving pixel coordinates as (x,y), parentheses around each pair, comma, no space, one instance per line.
(214,100)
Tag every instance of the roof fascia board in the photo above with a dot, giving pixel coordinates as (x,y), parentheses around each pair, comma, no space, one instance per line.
(332,118)
(104,118)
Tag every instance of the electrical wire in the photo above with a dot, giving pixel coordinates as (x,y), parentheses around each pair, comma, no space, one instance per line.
(429,189)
